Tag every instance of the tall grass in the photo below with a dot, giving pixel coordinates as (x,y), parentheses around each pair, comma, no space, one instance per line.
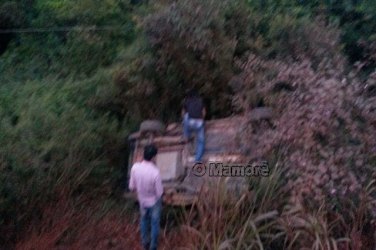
(220,220)
(347,227)
(264,218)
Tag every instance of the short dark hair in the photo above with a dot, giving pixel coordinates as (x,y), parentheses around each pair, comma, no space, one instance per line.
(192,93)
(150,151)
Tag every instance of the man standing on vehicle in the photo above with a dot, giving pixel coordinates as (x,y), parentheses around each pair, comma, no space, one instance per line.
(145,179)
(193,121)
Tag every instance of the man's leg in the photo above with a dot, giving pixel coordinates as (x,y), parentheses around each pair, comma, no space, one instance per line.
(145,227)
(155,223)
(200,142)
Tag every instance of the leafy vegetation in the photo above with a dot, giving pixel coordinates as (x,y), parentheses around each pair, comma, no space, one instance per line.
(77,76)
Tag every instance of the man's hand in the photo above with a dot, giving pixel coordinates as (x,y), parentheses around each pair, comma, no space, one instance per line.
(203,113)
(130,195)
(125,195)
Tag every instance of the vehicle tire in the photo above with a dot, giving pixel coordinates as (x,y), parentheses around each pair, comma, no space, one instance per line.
(261,113)
(153,126)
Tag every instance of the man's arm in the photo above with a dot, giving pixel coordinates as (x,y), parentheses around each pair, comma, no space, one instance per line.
(182,112)
(158,186)
(132,181)
(203,112)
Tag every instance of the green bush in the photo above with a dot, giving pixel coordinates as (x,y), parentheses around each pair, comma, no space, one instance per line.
(52,143)
(67,98)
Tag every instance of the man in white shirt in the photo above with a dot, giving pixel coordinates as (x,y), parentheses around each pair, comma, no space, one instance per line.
(145,179)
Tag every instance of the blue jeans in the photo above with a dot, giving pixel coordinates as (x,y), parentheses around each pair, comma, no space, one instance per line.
(149,225)
(197,126)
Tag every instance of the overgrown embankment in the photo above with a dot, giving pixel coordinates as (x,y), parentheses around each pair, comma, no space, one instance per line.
(70,96)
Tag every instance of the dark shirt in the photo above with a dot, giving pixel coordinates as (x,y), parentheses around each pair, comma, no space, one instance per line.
(194,106)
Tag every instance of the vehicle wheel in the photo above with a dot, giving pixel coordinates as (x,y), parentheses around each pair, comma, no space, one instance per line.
(261,113)
(154,126)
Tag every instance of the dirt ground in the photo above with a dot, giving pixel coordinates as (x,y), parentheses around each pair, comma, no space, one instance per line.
(63,226)
(110,233)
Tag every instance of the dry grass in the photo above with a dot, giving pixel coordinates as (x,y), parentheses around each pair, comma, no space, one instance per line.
(261,218)
(63,226)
